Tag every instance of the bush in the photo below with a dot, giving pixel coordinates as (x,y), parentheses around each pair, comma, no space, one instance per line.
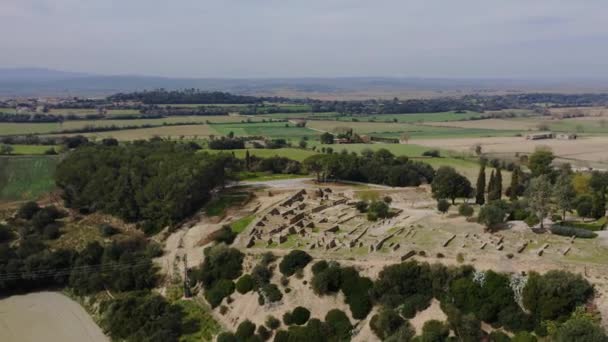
(224,234)
(51,232)
(491,215)
(572,231)
(245,284)
(107,230)
(339,324)
(584,206)
(272,323)
(532,221)
(294,261)
(465,210)
(319,267)
(434,330)
(27,210)
(264,333)
(413,304)
(300,315)
(45,216)
(385,323)
(245,330)
(226,337)
(545,302)
(361,206)
(221,289)
(273,294)
(5,233)
(443,206)
(432,154)
(499,336)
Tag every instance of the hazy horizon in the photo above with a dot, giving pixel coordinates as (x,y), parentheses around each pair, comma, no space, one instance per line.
(319,38)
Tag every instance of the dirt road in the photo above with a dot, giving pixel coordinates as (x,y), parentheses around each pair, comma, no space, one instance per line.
(46,316)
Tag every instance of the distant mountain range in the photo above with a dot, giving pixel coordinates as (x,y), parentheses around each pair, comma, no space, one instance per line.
(47,82)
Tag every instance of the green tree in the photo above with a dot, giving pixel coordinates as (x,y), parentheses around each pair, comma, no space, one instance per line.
(513,190)
(564,194)
(480,191)
(539,197)
(450,184)
(443,206)
(6,149)
(327,138)
(540,161)
(491,215)
(491,186)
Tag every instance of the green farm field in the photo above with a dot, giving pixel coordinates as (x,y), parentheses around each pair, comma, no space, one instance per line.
(291,153)
(43,128)
(271,130)
(24,178)
(31,149)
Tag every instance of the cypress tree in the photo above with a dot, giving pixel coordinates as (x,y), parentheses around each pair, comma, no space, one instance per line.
(498,185)
(491,186)
(514,187)
(247,160)
(480,195)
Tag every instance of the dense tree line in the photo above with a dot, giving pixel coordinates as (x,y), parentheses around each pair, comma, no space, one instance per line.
(155,183)
(186,96)
(379,167)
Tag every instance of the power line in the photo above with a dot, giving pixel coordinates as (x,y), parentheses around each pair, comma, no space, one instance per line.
(86,269)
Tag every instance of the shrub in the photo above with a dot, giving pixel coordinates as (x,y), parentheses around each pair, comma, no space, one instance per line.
(532,221)
(465,210)
(431,153)
(51,232)
(272,292)
(5,233)
(294,261)
(413,304)
(443,206)
(541,298)
(226,337)
(272,323)
(221,289)
(499,336)
(245,330)
(27,210)
(154,249)
(434,330)
(491,215)
(264,333)
(584,206)
(385,323)
(45,216)
(245,284)
(319,267)
(107,230)
(224,234)
(572,231)
(361,206)
(300,315)
(339,324)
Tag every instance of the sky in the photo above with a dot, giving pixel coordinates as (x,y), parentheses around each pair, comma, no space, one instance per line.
(309,38)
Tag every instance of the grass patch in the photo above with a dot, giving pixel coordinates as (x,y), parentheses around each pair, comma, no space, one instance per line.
(24,178)
(218,206)
(32,149)
(291,153)
(263,176)
(239,226)
(205,327)
(272,130)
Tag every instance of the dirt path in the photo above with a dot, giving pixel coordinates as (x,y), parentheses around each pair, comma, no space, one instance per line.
(46,316)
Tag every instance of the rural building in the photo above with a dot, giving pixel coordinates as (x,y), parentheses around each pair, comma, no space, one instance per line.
(539,136)
(566,136)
